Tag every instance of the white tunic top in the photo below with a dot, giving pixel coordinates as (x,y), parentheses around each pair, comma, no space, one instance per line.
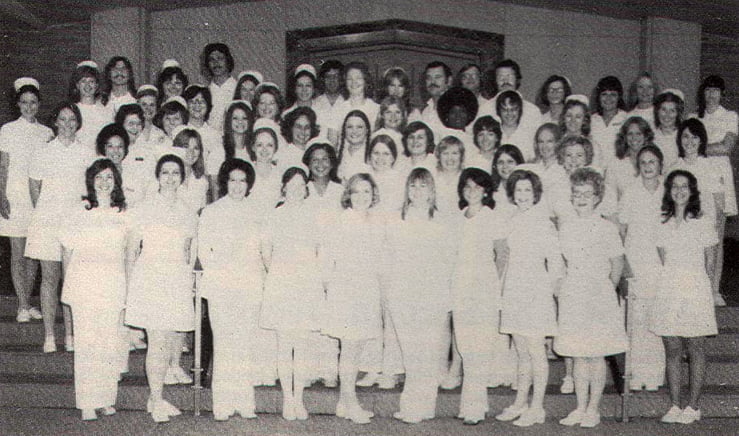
(97,239)
(115,102)
(229,251)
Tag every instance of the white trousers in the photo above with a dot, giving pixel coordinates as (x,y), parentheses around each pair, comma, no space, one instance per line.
(232,382)
(100,353)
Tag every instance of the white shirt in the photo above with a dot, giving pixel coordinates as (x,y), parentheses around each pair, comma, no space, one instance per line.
(221,96)
(324,112)
(115,102)
(667,144)
(531,115)
(213,152)
(647,114)
(341,110)
(94,118)
(719,123)
(290,156)
(605,135)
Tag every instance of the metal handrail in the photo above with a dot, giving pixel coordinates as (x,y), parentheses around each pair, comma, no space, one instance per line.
(197,369)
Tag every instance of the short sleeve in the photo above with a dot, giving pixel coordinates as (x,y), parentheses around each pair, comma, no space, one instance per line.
(4,140)
(732,122)
(38,169)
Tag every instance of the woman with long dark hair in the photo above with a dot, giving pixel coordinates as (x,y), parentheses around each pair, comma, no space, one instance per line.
(683,312)
(93,238)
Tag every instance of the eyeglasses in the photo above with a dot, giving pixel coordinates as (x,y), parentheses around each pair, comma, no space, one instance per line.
(583,195)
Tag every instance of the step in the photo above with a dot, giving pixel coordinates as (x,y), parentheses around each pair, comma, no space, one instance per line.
(721,369)
(727,317)
(35,391)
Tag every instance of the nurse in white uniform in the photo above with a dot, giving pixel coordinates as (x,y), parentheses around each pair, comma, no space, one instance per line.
(200,108)
(228,249)
(85,91)
(669,107)
(93,235)
(18,141)
(57,181)
(418,293)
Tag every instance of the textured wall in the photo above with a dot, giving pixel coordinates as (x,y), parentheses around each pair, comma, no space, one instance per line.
(50,56)
(120,32)
(674,50)
(543,41)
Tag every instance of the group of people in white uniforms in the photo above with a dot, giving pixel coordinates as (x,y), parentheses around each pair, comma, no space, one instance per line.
(397,174)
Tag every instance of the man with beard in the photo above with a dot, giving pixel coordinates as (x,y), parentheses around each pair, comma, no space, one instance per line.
(508,78)
(118,83)
(438,78)
(217,66)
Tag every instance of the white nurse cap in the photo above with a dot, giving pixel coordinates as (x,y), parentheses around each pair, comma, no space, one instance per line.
(240,101)
(151,88)
(170,63)
(25,81)
(308,68)
(252,73)
(579,98)
(176,98)
(673,91)
(88,63)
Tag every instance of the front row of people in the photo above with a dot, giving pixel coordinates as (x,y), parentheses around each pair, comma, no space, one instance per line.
(306,272)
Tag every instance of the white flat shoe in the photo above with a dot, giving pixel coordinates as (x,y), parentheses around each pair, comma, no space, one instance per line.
(50,344)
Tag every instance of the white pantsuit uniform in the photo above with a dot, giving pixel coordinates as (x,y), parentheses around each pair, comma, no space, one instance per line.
(487,355)
(383,355)
(640,211)
(420,255)
(228,249)
(95,289)
(324,349)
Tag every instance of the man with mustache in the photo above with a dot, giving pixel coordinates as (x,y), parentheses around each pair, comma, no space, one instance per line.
(438,78)
(118,83)
(508,78)
(217,64)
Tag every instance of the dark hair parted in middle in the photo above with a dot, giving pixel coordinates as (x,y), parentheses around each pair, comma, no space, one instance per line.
(230,165)
(117,198)
(693,208)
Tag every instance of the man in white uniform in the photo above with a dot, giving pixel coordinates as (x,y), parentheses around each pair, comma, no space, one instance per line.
(217,66)
(118,83)
(508,78)
(438,77)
